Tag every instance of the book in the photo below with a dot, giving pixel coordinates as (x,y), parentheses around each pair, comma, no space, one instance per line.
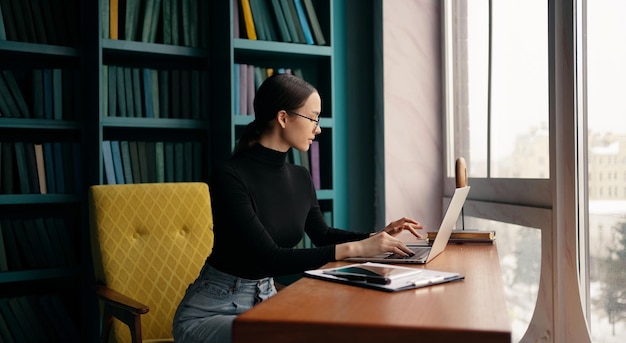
(126,161)
(20,21)
(61,230)
(22,167)
(18,98)
(38,21)
(5,331)
(14,260)
(196,94)
(8,167)
(131,20)
(154,22)
(35,323)
(175,28)
(104,10)
(56,312)
(31,165)
(9,107)
(151,161)
(118,168)
(179,162)
(48,94)
(147,93)
(170,160)
(285,35)
(111,90)
(246,11)
(38,109)
(30,260)
(384,277)
(164,94)
(466,236)
(190,22)
(68,97)
(142,152)
(107,158)
(16,330)
(38,250)
(9,20)
(121,93)
(57,94)
(243,89)
(185,94)
(293,14)
(236,90)
(167,21)
(304,22)
(314,22)
(154,94)
(159,160)
(52,250)
(260,22)
(134,160)
(59,167)
(49,167)
(113,18)
(51,31)
(129,94)
(188,160)
(175,94)
(235,15)
(251,89)
(41,168)
(3,32)
(148,15)
(4,265)
(315,164)
(137,91)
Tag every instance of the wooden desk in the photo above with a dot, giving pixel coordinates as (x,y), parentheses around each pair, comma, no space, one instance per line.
(311,310)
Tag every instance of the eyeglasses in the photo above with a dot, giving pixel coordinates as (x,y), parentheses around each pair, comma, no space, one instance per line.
(316,121)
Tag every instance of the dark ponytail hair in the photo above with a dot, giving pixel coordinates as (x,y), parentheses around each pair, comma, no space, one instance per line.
(278,92)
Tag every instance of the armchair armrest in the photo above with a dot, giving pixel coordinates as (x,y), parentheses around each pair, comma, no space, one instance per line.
(122,307)
(121,301)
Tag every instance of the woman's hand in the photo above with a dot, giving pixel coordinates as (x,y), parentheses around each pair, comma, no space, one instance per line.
(381,242)
(404,223)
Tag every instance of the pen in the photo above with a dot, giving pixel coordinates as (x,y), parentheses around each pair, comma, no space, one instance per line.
(426,282)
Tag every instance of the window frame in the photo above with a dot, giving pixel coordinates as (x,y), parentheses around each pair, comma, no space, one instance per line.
(553,204)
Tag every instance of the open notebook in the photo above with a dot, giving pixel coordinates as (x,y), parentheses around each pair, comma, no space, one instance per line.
(425,254)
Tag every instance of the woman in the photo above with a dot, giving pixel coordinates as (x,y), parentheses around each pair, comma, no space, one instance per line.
(262,206)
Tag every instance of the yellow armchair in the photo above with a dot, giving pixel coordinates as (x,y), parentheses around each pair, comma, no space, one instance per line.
(149,242)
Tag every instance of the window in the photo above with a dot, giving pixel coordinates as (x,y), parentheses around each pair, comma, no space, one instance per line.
(524,84)
(603,55)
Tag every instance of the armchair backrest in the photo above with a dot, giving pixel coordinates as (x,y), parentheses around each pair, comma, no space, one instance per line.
(149,242)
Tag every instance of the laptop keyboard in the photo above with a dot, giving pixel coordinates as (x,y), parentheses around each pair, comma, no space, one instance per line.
(420,253)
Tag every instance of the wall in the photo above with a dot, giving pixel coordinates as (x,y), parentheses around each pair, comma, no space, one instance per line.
(413,165)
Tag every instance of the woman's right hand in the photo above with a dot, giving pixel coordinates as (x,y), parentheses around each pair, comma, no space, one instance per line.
(371,246)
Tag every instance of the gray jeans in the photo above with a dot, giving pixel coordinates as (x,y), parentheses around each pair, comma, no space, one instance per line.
(212,302)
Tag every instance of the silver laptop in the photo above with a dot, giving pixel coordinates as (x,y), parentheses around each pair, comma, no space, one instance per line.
(425,254)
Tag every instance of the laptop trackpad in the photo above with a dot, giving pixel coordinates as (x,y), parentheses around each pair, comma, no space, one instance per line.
(420,254)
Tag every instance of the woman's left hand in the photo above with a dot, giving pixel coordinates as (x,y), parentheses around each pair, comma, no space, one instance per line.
(404,223)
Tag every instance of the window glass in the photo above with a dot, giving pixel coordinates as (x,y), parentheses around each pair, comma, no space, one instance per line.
(519,250)
(500,120)
(606,174)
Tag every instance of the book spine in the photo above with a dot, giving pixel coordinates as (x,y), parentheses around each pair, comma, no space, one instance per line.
(306,29)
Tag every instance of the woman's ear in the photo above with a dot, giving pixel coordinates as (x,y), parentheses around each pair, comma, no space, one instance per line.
(281,118)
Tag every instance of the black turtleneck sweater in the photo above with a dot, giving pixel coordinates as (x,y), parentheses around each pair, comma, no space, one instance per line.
(261,208)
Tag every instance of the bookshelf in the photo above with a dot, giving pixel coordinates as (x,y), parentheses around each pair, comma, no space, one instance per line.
(192,123)
(315,60)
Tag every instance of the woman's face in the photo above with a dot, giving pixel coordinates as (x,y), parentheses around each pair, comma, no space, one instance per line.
(302,124)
